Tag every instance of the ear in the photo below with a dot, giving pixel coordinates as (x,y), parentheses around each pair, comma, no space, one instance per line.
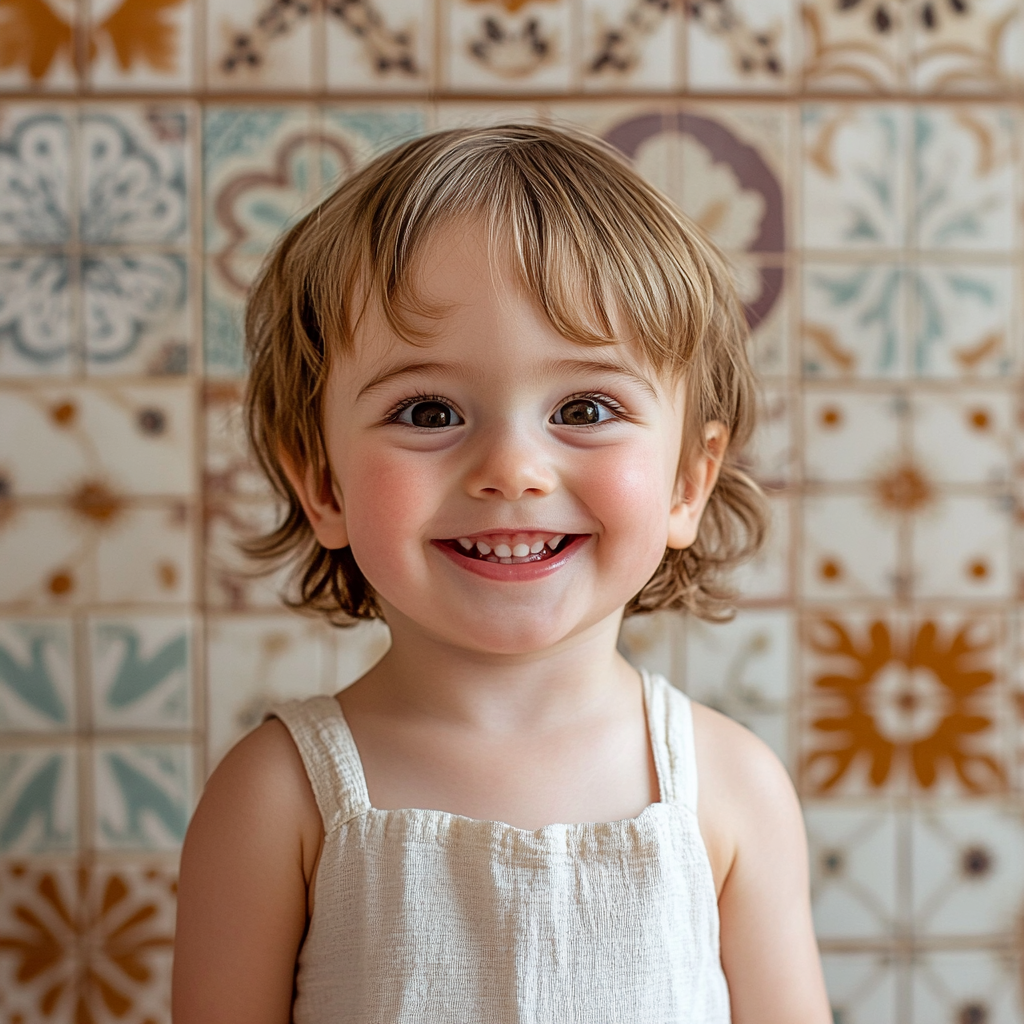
(697,481)
(320,498)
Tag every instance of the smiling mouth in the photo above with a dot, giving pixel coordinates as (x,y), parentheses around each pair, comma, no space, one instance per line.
(515,549)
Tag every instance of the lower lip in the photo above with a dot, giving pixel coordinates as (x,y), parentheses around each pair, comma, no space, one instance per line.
(521,573)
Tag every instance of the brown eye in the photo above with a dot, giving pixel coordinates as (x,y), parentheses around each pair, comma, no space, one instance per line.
(429,414)
(580,412)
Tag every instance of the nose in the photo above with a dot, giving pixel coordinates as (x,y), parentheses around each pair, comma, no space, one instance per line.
(511,464)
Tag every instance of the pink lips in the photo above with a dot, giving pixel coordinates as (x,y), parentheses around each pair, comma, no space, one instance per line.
(516,573)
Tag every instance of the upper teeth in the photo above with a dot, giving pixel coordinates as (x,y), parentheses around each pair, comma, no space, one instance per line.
(515,545)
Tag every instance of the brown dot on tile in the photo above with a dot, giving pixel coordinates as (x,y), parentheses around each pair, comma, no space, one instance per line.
(96,501)
(973,1013)
(904,489)
(61,583)
(831,417)
(976,862)
(167,573)
(833,862)
(979,419)
(18,870)
(151,421)
(978,569)
(64,413)
(830,569)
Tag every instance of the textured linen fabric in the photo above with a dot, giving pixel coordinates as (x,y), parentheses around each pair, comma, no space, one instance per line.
(429,917)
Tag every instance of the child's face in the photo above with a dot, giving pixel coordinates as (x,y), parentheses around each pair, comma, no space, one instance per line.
(499,433)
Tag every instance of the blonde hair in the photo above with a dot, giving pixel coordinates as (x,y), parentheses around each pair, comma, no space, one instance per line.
(606,255)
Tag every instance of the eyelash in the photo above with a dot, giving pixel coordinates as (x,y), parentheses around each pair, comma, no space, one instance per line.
(593,396)
(406,403)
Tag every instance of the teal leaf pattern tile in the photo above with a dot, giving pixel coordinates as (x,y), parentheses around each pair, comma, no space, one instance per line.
(38,800)
(143,795)
(36,676)
(140,673)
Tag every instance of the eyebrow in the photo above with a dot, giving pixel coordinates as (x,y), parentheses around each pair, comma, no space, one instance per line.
(409,370)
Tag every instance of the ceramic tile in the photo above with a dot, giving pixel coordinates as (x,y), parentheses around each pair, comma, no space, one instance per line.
(962,549)
(899,705)
(508,45)
(629,44)
(225,288)
(963,437)
(36,333)
(967,872)
(86,943)
(472,114)
(854,321)
(965,48)
(967,985)
(768,576)
(655,642)
(743,668)
(35,187)
(255,662)
(864,988)
(854,46)
(359,132)
(855,871)
(772,455)
(378,47)
(255,45)
(854,160)
(142,49)
(230,471)
(37,678)
(850,548)
(71,555)
(40,47)
(765,287)
(143,795)
(964,196)
(141,672)
(95,446)
(38,799)
(963,321)
(134,183)
(850,436)
(742,45)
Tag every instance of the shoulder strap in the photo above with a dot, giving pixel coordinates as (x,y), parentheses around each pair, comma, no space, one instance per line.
(329,755)
(670,721)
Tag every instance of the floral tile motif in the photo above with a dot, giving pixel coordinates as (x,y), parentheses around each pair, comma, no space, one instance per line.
(509,45)
(108,550)
(740,44)
(743,669)
(851,436)
(855,319)
(38,799)
(961,548)
(37,679)
(865,988)
(255,662)
(851,548)
(963,437)
(967,985)
(854,46)
(141,672)
(96,446)
(768,575)
(897,704)
(261,44)
(855,856)
(965,48)
(629,44)
(963,164)
(41,43)
(967,873)
(963,321)
(89,943)
(656,642)
(380,46)
(143,794)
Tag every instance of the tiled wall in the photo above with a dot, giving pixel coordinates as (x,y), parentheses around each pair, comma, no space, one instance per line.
(860,160)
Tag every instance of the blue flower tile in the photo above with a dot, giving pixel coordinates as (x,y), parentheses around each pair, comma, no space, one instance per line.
(141,672)
(38,800)
(37,684)
(143,795)
(35,315)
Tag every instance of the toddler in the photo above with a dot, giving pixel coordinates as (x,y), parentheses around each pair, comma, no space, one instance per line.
(500,382)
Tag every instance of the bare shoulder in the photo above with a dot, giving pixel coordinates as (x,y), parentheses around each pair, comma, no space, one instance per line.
(744,789)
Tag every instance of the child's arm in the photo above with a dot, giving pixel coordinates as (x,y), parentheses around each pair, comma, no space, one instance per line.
(252,845)
(755,835)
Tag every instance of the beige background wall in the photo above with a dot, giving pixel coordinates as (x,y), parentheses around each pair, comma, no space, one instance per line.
(861,163)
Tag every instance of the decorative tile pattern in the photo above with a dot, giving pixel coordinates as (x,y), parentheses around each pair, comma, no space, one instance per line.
(38,799)
(37,692)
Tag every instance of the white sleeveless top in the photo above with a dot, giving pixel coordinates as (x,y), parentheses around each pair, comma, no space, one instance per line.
(426,917)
